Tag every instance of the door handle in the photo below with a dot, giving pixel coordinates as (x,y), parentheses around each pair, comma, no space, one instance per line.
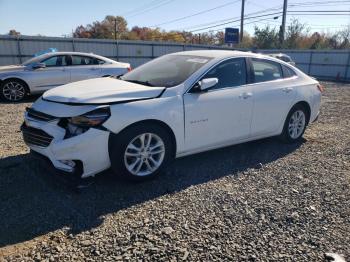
(245,95)
(287,89)
(93,68)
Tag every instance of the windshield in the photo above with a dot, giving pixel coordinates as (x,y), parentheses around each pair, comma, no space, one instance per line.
(32,60)
(166,71)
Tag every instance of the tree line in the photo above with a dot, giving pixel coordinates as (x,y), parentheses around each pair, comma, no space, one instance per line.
(297,36)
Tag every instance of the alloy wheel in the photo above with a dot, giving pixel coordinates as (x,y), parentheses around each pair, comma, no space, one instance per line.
(296,124)
(144,154)
(13,91)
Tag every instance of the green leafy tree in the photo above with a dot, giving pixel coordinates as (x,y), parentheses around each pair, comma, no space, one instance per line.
(265,38)
(295,33)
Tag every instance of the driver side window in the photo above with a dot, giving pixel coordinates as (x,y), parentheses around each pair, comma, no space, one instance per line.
(54,61)
(230,73)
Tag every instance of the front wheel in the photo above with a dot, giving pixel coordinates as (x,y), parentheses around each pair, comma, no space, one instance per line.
(295,124)
(12,90)
(140,152)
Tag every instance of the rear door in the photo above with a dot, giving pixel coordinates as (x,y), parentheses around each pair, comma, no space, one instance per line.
(273,96)
(54,73)
(84,67)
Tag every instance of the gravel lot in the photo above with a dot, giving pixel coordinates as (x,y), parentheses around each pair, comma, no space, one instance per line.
(257,201)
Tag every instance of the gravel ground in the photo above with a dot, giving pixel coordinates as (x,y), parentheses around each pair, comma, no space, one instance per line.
(259,201)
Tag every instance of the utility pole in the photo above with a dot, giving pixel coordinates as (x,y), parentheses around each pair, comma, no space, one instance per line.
(283,26)
(242,19)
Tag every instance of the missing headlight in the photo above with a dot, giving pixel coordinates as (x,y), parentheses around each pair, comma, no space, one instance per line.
(91,119)
(73,130)
(79,124)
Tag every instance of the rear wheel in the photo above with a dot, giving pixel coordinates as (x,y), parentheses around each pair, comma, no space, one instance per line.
(140,152)
(13,90)
(295,124)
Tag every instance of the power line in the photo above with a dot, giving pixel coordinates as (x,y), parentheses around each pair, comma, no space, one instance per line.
(318,11)
(313,3)
(142,7)
(229,19)
(235,21)
(336,14)
(195,14)
(251,22)
(269,9)
(162,3)
(217,23)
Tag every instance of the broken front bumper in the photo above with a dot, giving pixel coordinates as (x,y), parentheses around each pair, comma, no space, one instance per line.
(89,148)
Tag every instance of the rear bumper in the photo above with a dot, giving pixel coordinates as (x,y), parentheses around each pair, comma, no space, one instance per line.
(89,148)
(316,106)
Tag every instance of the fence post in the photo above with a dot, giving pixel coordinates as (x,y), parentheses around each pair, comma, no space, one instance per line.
(184,47)
(19,49)
(152,46)
(310,62)
(117,49)
(73,45)
(347,68)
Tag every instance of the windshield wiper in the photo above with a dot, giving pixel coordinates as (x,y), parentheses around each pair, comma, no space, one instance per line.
(146,83)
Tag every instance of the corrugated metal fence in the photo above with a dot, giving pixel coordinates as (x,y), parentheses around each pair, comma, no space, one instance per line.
(322,64)
(327,64)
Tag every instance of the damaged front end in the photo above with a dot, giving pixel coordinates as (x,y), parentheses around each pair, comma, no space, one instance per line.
(72,141)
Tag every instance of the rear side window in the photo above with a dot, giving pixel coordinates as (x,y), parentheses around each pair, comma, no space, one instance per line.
(288,72)
(99,62)
(83,60)
(230,73)
(265,70)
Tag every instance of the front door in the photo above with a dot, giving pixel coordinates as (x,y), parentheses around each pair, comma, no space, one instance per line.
(221,115)
(54,74)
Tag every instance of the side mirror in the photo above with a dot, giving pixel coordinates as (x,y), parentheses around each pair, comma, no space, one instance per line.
(38,65)
(205,84)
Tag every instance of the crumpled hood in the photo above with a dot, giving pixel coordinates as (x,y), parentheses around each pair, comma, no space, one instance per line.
(101,91)
(11,68)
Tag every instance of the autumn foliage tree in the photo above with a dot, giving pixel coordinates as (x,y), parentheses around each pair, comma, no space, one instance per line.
(297,35)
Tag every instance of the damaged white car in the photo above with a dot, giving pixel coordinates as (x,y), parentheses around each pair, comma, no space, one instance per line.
(176,105)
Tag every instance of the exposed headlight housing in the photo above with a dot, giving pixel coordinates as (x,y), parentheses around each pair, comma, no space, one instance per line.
(91,119)
(80,124)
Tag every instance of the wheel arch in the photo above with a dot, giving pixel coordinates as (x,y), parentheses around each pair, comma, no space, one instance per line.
(306,106)
(157,122)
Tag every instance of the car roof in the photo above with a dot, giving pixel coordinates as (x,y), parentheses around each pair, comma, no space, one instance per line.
(76,53)
(221,53)
(278,54)
(213,53)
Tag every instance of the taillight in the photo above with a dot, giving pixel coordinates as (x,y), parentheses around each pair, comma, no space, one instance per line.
(320,88)
(129,68)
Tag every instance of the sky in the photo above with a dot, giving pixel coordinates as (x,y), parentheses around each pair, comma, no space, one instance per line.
(60,17)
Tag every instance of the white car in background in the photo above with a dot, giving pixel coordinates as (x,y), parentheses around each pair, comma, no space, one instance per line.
(53,69)
(173,106)
(283,57)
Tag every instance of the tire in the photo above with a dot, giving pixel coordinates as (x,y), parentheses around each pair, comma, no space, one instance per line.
(292,130)
(13,90)
(126,160)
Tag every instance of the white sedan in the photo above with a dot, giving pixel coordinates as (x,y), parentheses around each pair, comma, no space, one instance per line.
(173,106)
(53,69)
